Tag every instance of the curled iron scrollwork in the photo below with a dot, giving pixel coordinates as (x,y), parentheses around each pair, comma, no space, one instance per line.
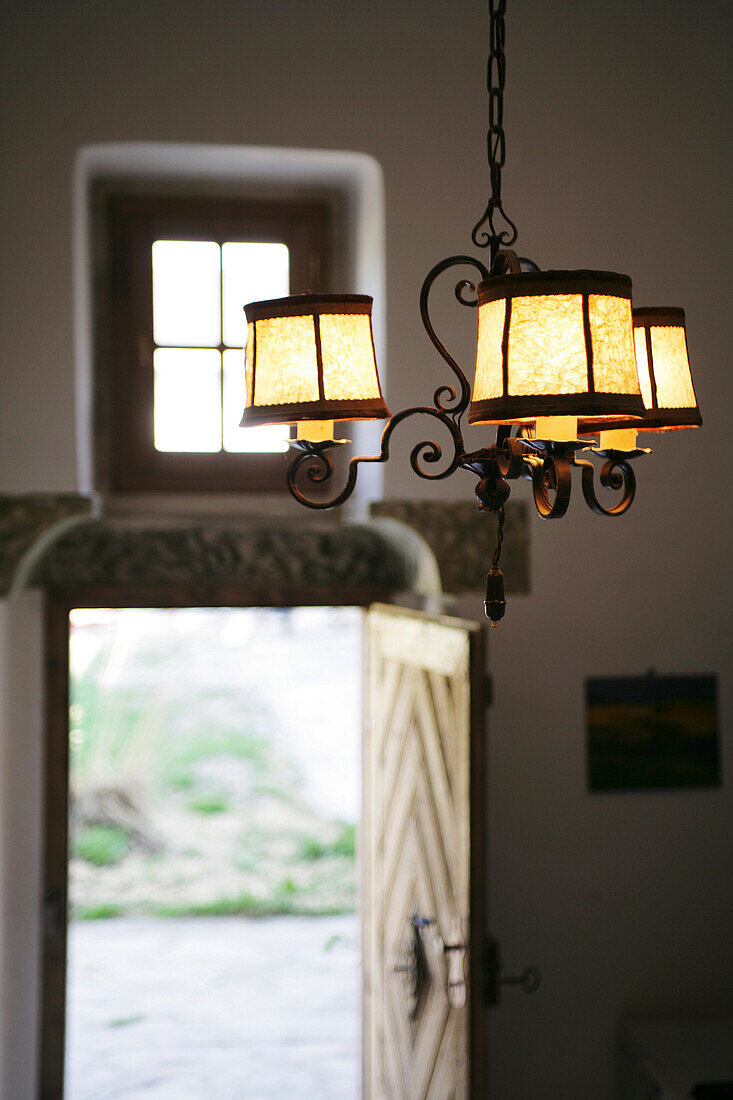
(446,397)
(552,475)
(314,463)
(616,474)
(462,286)
(496,238)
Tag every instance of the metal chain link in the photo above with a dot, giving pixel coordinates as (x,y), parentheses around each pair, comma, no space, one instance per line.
(494,238)
(495,80)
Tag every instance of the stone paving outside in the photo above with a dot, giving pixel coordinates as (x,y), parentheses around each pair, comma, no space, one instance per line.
(222,1008)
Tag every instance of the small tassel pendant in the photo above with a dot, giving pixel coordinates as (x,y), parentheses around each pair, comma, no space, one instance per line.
(495,604)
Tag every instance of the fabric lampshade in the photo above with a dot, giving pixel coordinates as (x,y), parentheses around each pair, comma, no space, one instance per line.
(311,357)
(555,343)
(664,373)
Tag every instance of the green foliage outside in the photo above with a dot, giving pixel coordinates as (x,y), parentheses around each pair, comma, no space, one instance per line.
(209,815)
(98,912)
(245,905)
(311,848)
(102,845)
(209,804)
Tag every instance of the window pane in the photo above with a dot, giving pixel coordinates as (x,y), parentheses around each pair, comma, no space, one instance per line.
(187,399)
(267,439)
(252,272)
(187,293)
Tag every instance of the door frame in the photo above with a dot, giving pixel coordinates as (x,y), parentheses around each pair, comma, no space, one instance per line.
(59,602)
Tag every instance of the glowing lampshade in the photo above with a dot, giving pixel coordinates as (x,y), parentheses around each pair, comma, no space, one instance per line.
(311,357)
(552,344)
(664,372)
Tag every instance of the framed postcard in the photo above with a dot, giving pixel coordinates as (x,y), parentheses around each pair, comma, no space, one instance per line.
(652,732)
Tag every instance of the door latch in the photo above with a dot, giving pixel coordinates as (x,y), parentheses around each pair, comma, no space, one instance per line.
(411,964)
(529,980)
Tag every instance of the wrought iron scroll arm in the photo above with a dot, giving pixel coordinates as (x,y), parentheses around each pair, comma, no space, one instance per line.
(549,467)
(317,463)
(554,473)
(616,473)
(314,461)
(444,396)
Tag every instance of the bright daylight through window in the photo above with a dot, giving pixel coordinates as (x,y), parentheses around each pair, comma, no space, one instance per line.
(199,333)
(174,274)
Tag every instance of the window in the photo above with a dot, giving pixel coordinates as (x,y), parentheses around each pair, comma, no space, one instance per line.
(179,271)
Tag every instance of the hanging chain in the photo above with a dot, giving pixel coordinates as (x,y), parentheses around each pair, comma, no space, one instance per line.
(494,238)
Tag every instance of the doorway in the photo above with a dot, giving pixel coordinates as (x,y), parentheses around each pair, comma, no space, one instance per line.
(422,845)
(213,801)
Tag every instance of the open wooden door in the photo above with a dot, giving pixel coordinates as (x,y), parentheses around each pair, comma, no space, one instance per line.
(423,859)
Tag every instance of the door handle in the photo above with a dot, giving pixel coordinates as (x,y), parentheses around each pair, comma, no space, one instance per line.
(529,980)
(411,965)
(455,956)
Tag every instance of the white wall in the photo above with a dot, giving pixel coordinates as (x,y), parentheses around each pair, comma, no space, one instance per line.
(619,154)
(20,841)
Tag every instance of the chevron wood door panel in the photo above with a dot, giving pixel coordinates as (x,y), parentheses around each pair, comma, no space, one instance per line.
(423,847)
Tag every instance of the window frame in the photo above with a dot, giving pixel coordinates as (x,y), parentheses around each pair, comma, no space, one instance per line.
(132,223)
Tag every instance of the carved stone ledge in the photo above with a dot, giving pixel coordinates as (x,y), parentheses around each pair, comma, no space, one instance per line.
(30,524)
(111,554)
(463,538)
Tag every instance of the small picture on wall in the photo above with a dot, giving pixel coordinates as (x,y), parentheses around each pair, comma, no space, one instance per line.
(652,732)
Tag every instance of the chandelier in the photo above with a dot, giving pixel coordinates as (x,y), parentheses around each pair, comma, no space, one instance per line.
(562,357)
